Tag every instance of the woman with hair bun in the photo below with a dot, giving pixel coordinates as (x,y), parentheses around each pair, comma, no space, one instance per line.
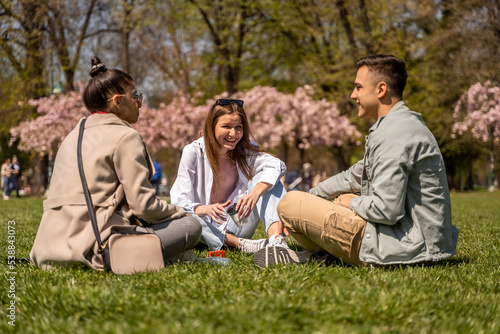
(118,170)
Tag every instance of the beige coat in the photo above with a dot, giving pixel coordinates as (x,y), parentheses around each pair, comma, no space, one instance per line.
(117,168)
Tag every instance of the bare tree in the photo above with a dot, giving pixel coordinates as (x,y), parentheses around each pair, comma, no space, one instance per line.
(175,44)
(368,38)
(22,41)
(125,22)
(67,29)
(344,17)
(228,22)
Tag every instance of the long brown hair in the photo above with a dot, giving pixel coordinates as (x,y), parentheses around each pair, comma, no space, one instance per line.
(243,149)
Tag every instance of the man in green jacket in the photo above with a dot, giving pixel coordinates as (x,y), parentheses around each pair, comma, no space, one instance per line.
(393,206)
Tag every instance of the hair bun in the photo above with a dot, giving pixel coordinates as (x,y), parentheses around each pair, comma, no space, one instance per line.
(97,67)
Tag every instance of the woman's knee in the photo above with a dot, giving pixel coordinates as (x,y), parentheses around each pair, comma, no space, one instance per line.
(192,226)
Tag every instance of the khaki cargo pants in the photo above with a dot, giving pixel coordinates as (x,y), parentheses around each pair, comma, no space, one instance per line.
(318,224)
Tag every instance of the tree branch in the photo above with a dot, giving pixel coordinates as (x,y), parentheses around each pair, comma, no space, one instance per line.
(215,35)
(83,33)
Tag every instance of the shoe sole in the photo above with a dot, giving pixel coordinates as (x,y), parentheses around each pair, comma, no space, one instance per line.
(271,256)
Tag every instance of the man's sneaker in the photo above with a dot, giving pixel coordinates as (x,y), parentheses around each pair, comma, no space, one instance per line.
(277,240)
(270,256)
(251,246)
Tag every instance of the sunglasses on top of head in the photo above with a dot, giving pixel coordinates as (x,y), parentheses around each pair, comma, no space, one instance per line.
(226,102)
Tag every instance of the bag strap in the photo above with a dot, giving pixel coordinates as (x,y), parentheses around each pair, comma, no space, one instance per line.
(202,177)
(86,192)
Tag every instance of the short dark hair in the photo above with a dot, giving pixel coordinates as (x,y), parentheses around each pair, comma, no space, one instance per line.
(387,68)
(103,84)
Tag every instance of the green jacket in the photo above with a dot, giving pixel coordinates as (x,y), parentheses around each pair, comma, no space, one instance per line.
(404,192)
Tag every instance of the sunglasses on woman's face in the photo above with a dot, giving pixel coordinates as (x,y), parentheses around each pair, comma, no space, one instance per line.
(226,102)
(137,96)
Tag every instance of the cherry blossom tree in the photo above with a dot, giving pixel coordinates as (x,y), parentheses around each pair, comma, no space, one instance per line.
(171,126)
(44,134)
(478,111)
(276,118)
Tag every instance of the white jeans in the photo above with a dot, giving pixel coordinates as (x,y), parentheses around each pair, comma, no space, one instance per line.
(264,210)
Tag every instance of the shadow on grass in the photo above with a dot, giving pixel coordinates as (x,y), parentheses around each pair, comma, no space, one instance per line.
(454,261)
(330,261)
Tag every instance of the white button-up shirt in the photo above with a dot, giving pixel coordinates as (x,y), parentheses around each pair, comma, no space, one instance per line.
(193,185)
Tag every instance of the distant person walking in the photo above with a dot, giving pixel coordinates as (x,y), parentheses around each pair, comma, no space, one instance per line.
(16,175)
(6,176)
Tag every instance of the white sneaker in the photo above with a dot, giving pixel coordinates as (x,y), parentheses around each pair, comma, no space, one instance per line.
(251,246)
(277,240)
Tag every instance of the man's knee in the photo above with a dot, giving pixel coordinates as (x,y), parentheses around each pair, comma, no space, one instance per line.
(290,203)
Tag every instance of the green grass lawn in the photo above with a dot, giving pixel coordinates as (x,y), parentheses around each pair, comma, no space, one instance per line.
(460,295)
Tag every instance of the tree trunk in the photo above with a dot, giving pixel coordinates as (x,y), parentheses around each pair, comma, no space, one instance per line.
(230,78)
(33,70)
(284,152)
(69,74)
(366,27)
(494,16)
(450,173)
(302,155)
(348,29)
(217,25)
(125,57)
(491,181)
(470,175)
(341,159)
(39,175)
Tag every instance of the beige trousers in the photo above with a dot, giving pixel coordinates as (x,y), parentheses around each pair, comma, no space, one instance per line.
(319,224)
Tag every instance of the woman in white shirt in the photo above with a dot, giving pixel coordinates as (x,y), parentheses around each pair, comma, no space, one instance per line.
(224,168)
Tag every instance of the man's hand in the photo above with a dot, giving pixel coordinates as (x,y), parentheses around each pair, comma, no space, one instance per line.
(344,200)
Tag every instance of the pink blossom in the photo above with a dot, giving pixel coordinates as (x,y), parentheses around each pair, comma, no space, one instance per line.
(275,117)
(478,111)
(44,134)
